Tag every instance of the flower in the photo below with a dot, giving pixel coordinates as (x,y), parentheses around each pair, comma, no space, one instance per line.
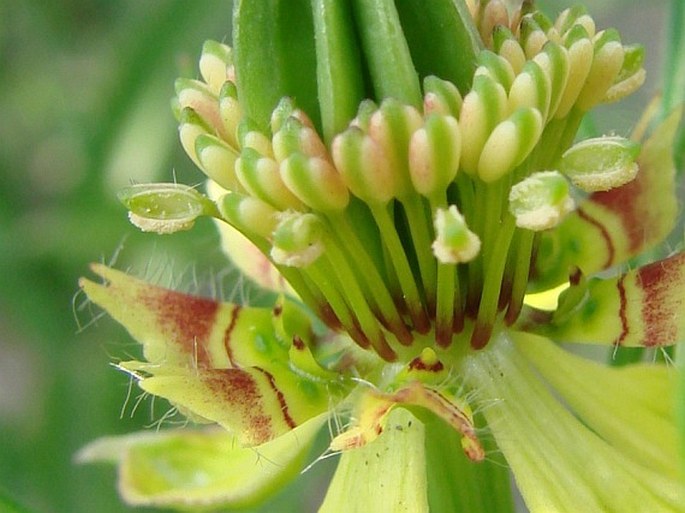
(413,226)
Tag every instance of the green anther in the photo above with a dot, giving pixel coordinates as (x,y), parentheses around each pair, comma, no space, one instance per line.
(510,143)
(540,201)
(298,239)
(249,135)
(441,96)
(315,182)
(496,67)
(218,161)
(434,152)
(248,214)
(165,207)
(601,164)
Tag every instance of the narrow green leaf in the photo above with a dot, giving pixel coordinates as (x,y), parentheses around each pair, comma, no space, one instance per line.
(386,51)
(443,39)
(338,66)
(275,56)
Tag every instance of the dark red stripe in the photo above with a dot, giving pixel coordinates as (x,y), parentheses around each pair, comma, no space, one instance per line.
(235,312)
(605,235)
(622,311)
(281,399)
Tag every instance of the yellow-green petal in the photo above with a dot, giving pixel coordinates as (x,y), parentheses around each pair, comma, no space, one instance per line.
(202,469)
(387,475)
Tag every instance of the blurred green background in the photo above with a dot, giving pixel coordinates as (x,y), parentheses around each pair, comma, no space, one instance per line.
(84,110)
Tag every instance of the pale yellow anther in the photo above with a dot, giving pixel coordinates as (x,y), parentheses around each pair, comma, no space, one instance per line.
(510,143)
(479,115)
(580,56)
(606,65)
(625,87)
(217,160)
(511,50)
(231,113)
(588,24)
(533,45)
(214,61)
(197,96)
(258,142)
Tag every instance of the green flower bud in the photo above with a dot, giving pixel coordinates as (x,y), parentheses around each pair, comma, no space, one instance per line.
(165,207)
(391,126)
(247,213)
(298,239)
(601,164)
(553,60)
(250,136)
(363,166)
(510,143)
(497,67)
(483,108)
(533,38)
(296,137)
(261,178)
(441,96)
(315,182)
(540,201)
(508,47)
(454,242)
(531,88)
(434,152)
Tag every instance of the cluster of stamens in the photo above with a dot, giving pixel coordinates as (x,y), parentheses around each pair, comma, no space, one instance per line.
(416,223)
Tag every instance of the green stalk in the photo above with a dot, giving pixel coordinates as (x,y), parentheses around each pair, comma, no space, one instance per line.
(401,265)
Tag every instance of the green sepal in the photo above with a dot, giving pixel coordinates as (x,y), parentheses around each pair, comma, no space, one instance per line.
(613,226)
(202,469)
(274,56)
